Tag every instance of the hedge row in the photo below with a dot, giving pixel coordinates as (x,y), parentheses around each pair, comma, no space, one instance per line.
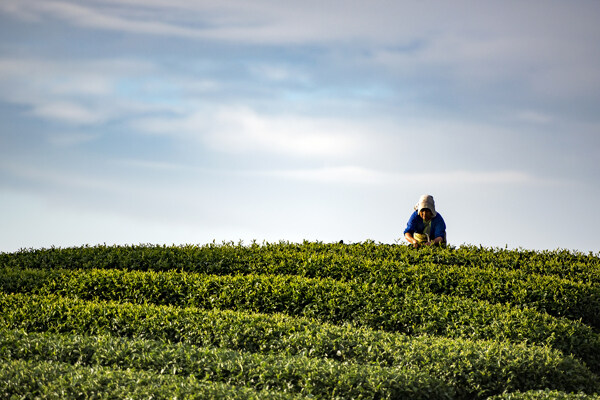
(306,376)
(388,308)
(50,380)
(556,296)
(544,395)
(308,258)
(472,368)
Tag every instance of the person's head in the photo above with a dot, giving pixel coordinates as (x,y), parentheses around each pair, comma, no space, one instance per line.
(425,214)
(426,207)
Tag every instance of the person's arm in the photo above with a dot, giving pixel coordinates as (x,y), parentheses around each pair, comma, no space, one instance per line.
(410,229)
(437,240)
(410,238)
(438,230)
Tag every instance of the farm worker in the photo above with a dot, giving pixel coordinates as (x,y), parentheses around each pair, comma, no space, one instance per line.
(425,226)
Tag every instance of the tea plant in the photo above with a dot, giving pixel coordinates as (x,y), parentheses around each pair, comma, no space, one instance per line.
(307,320)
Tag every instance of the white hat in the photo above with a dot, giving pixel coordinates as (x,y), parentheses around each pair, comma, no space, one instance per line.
(426,201)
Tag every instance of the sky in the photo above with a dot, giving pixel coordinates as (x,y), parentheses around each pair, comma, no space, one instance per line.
(186,122)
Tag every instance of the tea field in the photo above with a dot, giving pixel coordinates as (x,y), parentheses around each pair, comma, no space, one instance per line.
(299,321)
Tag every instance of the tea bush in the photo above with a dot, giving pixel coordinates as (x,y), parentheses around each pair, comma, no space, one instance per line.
(307,320)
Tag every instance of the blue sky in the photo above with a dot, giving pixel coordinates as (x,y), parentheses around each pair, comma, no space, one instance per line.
(178,121)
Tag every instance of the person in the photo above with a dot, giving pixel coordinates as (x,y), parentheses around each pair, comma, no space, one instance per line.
(425,227)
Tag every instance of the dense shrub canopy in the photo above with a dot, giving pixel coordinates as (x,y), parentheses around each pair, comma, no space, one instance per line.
(287,320)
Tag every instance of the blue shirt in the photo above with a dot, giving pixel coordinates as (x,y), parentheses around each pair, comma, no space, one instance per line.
(416,224)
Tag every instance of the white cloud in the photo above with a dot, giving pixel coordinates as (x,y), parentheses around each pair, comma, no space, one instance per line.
(96,76)
(260,21)
(361,176)
(150,165)
(81,92)
(64,139)
(280,73)
(334,175)
(243,130)
(101,18)
(534,117)
(68,112)
(237,129)
(266,21)
(62,180)
(459,42)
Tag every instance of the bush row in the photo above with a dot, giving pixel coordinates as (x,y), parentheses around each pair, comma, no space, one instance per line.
(37,380)
(472,368)
(308,258)
(544,395)
(321,378)
(382,307)
(556,296)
